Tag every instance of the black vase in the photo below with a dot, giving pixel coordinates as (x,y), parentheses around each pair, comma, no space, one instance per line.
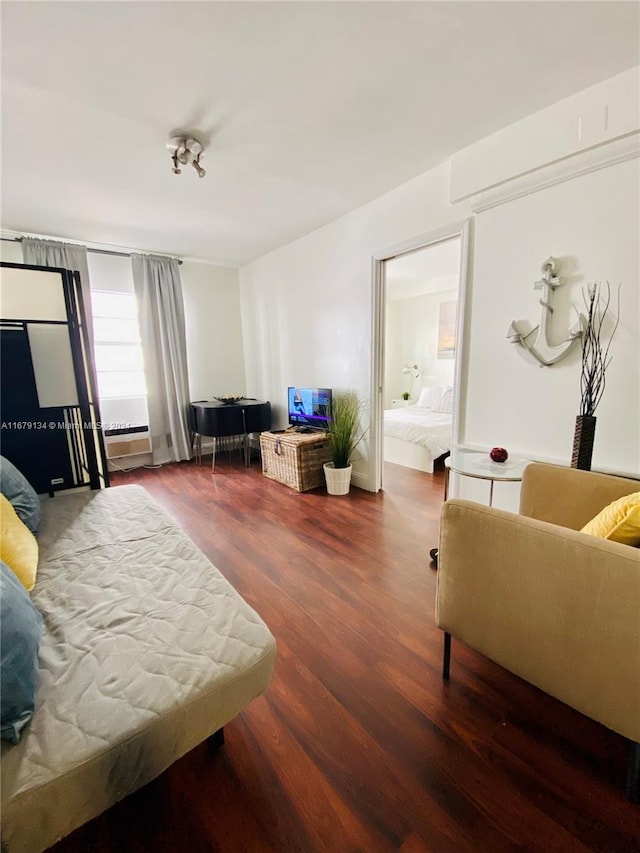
(583,442)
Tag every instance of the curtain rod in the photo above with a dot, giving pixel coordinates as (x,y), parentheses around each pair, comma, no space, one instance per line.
(95,251)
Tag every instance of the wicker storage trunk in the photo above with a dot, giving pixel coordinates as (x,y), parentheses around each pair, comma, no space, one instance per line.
(295,459)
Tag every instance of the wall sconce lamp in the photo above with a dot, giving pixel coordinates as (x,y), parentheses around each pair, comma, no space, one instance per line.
(411,369)
(185,150)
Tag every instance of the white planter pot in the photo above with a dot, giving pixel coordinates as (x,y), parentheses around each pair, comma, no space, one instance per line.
(338,479)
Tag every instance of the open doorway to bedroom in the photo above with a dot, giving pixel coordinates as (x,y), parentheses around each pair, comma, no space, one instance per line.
(418,357)
(421,308)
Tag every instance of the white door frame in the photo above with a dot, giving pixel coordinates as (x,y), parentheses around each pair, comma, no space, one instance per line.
(458,229)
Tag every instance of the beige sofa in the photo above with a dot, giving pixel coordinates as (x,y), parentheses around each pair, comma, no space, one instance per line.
(557,607)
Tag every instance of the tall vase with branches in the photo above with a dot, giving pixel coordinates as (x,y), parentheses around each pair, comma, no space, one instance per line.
(595,361)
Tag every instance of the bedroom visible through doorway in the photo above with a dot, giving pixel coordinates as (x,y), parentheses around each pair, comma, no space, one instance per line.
(421,312)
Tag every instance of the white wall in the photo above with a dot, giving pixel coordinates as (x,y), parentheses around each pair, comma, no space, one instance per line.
(307,307)
(110,272)
(11,253)
(591,225)
(214,331)
(412,338)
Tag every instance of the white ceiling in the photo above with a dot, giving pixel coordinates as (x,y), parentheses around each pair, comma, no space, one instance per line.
(310,109)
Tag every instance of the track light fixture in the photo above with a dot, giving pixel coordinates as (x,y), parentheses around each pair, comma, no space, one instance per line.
(185,150)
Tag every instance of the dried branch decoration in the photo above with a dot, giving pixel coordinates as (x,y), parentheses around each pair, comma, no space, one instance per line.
(595,353)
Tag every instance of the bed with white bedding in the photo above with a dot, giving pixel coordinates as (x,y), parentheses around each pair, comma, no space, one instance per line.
(147,651)
(414,436)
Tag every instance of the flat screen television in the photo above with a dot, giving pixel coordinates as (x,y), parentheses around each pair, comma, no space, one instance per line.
(310,407)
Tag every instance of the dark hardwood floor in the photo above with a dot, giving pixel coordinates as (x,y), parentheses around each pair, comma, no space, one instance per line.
(358,744)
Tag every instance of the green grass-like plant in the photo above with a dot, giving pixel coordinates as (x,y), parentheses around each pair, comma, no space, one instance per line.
(343,427)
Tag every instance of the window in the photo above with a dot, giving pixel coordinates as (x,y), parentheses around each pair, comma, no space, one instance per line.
(118,358)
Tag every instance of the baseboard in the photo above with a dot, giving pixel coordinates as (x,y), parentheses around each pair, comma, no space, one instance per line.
(361,481)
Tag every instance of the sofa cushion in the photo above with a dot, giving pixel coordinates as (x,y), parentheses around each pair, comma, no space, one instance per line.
(20,633)
(18,545)
(619,521)
(20,493)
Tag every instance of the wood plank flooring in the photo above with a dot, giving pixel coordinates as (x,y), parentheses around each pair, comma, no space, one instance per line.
(358,744)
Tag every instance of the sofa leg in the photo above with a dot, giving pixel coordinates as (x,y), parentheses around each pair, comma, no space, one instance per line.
(633,774)
(446,660)
(215,741)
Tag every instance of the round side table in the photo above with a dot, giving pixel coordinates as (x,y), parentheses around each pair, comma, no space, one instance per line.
(480,466)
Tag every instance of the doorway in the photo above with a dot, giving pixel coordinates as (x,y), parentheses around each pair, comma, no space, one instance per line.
(419,290)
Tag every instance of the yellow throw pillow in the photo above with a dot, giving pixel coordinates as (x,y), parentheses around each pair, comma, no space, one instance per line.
(620,521)
(18,545)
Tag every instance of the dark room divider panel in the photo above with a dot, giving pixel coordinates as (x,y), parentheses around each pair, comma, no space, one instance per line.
(49,408)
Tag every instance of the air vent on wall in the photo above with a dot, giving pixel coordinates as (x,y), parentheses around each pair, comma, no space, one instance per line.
(128,447)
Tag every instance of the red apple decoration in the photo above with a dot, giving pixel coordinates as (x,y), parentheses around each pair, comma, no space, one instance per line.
(499,454)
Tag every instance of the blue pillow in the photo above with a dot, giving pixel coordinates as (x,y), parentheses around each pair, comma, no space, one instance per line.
(20,634)
(20,494)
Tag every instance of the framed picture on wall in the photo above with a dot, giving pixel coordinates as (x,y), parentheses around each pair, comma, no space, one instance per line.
(447,329)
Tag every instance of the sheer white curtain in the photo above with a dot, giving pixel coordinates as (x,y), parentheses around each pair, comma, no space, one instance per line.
(69,256)
(156,281)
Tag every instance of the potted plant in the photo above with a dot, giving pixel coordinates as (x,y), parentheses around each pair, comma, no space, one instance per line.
(405,395)
(343,440)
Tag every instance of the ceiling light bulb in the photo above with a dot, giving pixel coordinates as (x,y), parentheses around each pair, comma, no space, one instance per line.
(184,155)
(201,172)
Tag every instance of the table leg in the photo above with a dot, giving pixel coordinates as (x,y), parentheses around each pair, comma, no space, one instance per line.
(491,492)
(213,454)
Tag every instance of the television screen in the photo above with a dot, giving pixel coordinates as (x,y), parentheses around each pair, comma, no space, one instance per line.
(310,407)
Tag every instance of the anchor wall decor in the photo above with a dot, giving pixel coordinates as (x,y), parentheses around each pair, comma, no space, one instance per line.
(545,352)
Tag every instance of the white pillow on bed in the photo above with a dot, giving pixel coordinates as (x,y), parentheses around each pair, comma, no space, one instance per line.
(429,397)
(445,403)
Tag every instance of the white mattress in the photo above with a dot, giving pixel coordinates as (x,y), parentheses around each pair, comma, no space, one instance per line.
(429,429)
(147,650)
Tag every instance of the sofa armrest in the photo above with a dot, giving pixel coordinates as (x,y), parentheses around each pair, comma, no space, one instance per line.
(568,496)
(559,608)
